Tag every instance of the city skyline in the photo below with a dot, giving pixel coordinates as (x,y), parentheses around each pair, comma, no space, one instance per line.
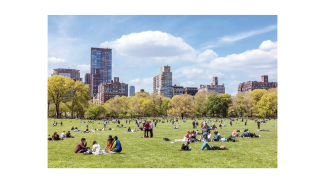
(235,49)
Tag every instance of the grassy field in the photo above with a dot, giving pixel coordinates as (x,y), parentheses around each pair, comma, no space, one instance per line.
(155,153)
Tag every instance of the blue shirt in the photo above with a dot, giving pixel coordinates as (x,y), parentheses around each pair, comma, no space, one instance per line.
(217,137)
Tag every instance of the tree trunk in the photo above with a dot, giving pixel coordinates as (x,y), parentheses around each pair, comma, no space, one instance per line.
(182,116)
(57,110)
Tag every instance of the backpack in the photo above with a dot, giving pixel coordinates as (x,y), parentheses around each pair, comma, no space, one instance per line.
(166,139)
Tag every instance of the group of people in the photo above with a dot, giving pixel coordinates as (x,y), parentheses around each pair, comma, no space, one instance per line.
(113,146)
(56,136)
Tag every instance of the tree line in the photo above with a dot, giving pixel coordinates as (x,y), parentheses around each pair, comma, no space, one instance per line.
(70,98)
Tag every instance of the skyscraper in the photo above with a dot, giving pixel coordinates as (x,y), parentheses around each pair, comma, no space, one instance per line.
(162,82)
(132,90)
(100,67)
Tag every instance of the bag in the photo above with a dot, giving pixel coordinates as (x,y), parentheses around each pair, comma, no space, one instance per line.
(224,139)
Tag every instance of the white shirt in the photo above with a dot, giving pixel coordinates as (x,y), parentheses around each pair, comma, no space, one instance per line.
(62,135)
(210,136)
(97,150)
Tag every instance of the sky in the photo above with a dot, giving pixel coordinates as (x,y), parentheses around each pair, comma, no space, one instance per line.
(234,48)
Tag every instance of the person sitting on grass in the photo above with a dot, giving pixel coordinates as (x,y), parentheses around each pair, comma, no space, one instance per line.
(193,137)
(109,144)
(217,136)
(68,135)
(82,146)
(72,128)
(117,147)
(187,136)
(206,145)
(63,134)
(56,136)
(140,128)
(96,149)
(129,129)
(86,131)
(185,146)
(209,137)
(235,134)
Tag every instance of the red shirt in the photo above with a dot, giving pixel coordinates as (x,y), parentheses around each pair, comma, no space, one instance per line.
(146,125)
(187,135)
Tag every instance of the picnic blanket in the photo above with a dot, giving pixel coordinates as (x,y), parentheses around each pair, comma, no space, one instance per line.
(110,153)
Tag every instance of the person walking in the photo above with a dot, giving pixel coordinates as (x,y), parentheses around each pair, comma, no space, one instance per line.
(193,123)
(258,124)
(155,123)
(246,122)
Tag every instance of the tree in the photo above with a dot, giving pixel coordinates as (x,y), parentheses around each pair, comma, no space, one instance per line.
(164,106)
(218,105)
(57,88)
(181,105)
(78,95)
(133,106)
(268,104)
(257,95)
(95,111)
(200,100)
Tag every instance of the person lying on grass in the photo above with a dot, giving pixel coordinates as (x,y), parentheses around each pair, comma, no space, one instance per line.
(248,134)
(206,145)
(82,146)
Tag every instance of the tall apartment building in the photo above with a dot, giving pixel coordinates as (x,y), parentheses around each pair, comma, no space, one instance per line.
(100,67)
(162,82)
(177,90)
(132,90)
(87,78)
(213,87)
(71,73)
(190,90)
(108,90)
(253,85)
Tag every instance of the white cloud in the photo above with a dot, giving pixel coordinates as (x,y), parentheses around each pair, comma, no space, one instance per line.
(152,45)
(145,81)
(237,37)
(233,76)
(55,60)
(192,73)
(268,45)
(250,60)
(226,40)
(73,39)
(234,83)
(84,68)
(207,55)
(188,84)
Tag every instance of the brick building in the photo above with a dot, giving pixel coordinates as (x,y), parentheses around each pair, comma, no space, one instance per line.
(253,85)
(108,90)
(213,87)
(71,73)
(177,90)
(190,90)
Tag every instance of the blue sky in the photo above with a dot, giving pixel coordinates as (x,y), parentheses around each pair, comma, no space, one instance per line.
(234,48)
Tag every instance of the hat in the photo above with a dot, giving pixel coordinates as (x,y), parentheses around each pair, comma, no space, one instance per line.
(110,137)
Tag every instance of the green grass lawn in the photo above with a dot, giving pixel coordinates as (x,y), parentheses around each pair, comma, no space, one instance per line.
(155,153)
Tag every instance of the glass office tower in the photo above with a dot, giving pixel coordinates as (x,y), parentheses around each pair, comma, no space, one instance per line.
(100,67)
